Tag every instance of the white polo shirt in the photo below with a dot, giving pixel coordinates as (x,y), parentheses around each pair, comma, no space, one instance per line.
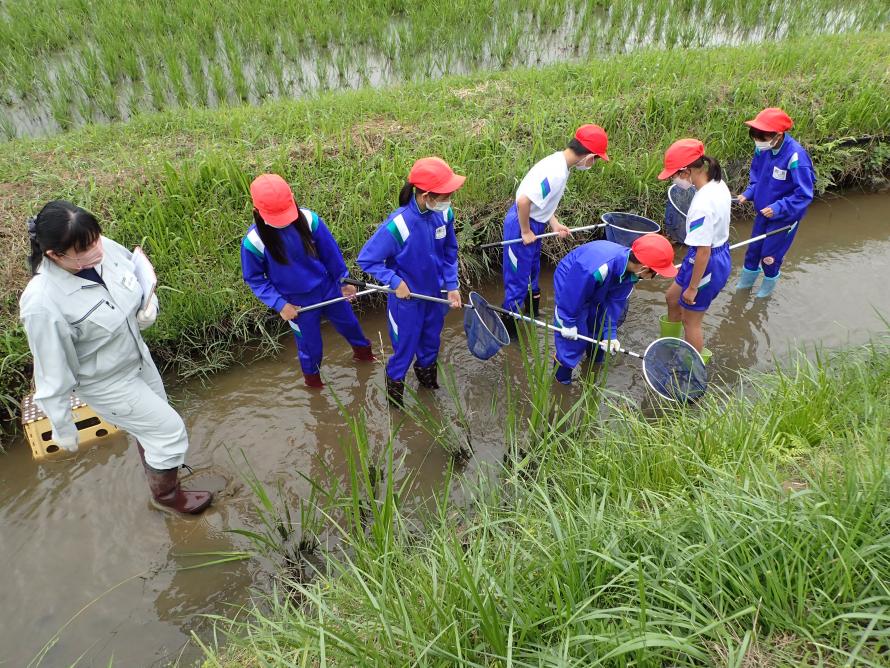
(544,185)
(707,223)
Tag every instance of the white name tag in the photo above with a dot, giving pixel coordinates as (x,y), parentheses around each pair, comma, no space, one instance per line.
(779,174)
(440,232)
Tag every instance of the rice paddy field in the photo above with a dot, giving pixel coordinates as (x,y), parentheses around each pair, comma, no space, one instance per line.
(66,63)
(177,182)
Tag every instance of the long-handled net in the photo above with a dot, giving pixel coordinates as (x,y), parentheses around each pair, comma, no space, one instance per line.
(485,331)
(672,368)
(679,201)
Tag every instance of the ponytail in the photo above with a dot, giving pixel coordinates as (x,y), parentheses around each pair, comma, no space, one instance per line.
(272,238)
(715,171)
(59,227)
(406,193)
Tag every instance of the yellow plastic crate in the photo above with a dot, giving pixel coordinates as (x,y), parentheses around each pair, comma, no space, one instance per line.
(91,429)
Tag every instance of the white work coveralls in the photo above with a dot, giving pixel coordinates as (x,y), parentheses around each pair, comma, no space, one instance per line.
(85,339)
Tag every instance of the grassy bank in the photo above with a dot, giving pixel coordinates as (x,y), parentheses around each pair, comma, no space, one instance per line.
(178,182)
(63,62)
(749,531)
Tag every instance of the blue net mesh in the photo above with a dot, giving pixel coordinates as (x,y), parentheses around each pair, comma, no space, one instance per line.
(675,370)
(624,228)
(675,212)
(486,334)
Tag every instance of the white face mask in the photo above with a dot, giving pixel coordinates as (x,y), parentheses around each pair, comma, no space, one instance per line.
(682,184)
(763,145)
(441,207)
(584,167)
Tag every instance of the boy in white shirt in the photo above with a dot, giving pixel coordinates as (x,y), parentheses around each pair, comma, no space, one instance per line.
(537,198)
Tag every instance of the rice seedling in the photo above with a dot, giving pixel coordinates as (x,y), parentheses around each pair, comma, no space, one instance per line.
(467,35)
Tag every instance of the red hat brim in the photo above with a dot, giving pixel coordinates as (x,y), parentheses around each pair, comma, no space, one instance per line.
(667,173)
(668,272)
(280,218)
(451,185)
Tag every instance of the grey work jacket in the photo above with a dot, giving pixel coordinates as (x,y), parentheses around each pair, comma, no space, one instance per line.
(81,333)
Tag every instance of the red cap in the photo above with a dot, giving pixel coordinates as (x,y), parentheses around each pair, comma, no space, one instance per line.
(680,154)
(435,176)
(656,252)
(273,198)
(594,139)
(771,119)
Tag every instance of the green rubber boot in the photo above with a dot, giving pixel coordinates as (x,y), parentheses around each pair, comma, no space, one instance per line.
(670,328)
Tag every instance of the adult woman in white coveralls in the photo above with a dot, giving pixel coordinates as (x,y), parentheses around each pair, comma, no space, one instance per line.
(82,315)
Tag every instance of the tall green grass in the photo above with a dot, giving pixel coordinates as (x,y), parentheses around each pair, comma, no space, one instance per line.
(178,182)
(751,530)
(65,62)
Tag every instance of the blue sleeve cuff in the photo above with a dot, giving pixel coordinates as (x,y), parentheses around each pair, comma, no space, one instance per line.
(395,282)
(749,193)
(279,304)
(452,286)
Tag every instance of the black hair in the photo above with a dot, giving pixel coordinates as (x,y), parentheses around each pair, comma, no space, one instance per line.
(578,148)
(408,191)
(761,135)
(715,171)
(272,238)
(59,227)
(633,258)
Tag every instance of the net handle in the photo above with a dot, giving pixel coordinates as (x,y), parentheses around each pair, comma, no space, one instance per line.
(385,288)
(786,228)
(312,307)
(539,323)
(510,242)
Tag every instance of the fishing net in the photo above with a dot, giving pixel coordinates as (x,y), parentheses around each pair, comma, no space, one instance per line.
(486,334)
(679,201)
(675,370)
(624,228)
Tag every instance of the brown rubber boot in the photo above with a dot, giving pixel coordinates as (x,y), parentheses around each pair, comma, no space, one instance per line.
(169,497)
(363,354)
(312,380)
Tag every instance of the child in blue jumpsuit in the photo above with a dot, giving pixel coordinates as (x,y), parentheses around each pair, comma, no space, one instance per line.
(537,199)
(781,188)
(415,250)
(290,259)
(591,287)
(707,264)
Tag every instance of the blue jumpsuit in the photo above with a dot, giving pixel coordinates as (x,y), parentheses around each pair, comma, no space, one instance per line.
(419,248)
(591,287)
(784,181)
(305,280)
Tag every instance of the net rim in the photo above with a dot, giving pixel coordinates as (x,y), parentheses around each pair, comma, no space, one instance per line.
(674,188)
(649,382)
(635,215)
(474,303)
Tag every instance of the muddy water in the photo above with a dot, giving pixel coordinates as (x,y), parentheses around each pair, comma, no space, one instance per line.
(84,556)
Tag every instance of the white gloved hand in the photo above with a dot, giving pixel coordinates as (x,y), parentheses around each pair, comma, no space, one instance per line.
(570,333)
(145,317)
(69,444)
(612,346)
